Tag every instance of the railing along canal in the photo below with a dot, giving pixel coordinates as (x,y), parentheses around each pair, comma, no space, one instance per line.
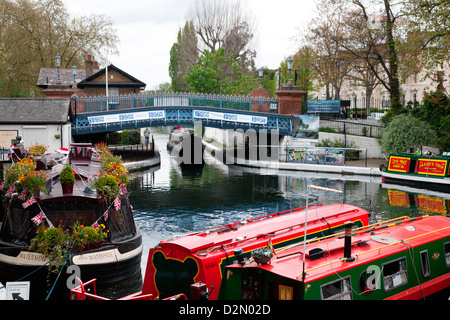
(127,102)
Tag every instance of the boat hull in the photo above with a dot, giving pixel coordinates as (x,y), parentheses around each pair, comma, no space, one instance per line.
(110,264)
(421,182)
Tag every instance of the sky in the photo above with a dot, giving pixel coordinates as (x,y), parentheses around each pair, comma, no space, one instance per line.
(147,30)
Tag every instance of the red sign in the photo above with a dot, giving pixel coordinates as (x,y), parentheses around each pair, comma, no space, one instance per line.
(399,164)
(431,167)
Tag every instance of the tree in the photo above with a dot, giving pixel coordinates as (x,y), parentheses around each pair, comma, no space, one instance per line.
(221,24)
(183,56)
(33,32)
(210,76)
(405,132)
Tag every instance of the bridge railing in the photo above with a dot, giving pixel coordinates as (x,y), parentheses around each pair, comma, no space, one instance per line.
(127,102)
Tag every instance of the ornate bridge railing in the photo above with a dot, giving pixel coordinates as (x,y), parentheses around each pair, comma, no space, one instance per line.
(126,102)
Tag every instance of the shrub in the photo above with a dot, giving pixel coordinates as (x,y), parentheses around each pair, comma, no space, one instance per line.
(405,132)
(67,176)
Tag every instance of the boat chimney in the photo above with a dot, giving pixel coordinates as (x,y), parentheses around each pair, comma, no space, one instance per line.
(348,242)
(239,254)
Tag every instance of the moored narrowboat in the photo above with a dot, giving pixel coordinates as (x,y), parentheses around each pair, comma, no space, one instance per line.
(174,266)
(50,237)
(405,259)
(419,171)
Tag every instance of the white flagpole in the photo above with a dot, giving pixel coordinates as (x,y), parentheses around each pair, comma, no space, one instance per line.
(107,90)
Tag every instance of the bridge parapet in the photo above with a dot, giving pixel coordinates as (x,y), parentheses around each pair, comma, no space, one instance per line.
(126,102)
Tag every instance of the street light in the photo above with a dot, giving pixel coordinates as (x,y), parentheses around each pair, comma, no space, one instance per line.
(74,73)
(261,73)
(58,65)
(290,64)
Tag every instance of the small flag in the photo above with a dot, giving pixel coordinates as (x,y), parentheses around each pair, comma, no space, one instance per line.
(2,185)
(105,215)
(39,218)
(23,195)
(117,204)
(29,202)
(95,225)
(10,191)
(123,188)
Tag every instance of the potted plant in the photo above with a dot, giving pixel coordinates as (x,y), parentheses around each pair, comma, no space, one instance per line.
(67,178)
(105,185)
(262,255)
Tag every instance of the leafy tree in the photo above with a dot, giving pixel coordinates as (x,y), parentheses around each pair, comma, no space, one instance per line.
(34,31)
(183,55)
(405,132)
(211,75)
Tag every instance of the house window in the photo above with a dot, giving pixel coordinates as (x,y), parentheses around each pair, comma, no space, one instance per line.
(425,263)
(395,274)
(113,91)
(447,253)
(337,290)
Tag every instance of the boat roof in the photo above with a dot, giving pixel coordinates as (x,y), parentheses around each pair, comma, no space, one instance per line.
(271,224)
(368,244)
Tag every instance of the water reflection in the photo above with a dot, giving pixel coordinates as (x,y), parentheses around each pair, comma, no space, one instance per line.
(169,202)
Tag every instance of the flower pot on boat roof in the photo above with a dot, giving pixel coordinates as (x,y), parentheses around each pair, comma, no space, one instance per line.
(67,179)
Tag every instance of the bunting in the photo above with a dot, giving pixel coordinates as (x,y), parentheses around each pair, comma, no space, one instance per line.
(29,202)
(10,191)
(117,204)
(23,195)
(39,219)
(123,188)
(2,185)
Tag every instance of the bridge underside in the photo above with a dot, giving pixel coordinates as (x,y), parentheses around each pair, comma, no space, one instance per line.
(104,122)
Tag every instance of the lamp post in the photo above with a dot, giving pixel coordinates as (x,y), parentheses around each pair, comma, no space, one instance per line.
(261,73)
(58,65)
(290,64)
(74,73)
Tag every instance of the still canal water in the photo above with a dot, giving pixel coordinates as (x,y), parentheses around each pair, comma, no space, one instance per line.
(169,201)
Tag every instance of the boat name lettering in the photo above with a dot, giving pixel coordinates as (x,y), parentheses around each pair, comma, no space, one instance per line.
(210,265)
(32,256)
(98,256)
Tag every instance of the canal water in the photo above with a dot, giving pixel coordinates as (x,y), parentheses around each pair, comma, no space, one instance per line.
(170,201)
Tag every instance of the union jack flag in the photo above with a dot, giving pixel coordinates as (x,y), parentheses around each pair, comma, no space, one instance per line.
(29,202)
(10,191)
(123,188)
(39,218)
(95,225)
(105,215)
(2,185)
(23,195)
(117,204)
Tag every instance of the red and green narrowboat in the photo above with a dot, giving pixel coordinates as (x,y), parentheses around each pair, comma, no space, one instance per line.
(403,259)
(430,172)
(175,265)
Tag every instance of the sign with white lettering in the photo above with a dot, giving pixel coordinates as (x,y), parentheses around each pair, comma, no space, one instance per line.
(18,290)
(232,117)
(124,117)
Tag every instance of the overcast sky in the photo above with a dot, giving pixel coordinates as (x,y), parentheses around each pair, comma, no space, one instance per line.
(148,28)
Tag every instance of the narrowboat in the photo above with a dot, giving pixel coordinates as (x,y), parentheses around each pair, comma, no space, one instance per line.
(95,235)
(174,266)
(419,171)
(403,259)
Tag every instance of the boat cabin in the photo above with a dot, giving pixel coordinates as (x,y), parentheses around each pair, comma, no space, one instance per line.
(408,258)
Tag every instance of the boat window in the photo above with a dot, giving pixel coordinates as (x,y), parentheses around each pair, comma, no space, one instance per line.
(285,292)
(337,290)
(447,253)
(395,274)
(425,263)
